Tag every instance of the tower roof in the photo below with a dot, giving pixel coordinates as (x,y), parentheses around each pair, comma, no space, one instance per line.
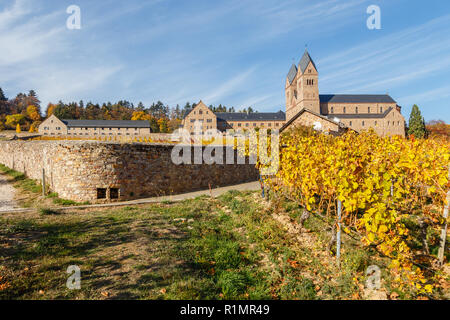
(304,61)
(292,73)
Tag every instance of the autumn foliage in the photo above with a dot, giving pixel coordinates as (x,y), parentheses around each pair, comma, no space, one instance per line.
(381,182)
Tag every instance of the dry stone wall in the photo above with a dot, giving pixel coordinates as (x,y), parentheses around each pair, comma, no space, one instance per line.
(102,171)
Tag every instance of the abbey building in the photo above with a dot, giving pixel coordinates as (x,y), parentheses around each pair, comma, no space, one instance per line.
(337,112)
(331,113)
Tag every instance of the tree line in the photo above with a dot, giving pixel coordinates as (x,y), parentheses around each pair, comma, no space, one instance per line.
(24,112)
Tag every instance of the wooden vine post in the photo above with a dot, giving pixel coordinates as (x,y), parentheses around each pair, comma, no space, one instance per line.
(444,228)
(338,235)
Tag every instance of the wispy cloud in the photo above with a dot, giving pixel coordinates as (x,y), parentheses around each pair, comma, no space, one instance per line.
(237,83)
(38,53)
(391,60)
(234,52)
(429,95)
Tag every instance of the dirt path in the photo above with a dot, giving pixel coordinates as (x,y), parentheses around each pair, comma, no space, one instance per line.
(6,194)
(249,186)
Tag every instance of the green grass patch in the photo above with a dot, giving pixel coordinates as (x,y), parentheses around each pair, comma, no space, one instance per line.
(231,247)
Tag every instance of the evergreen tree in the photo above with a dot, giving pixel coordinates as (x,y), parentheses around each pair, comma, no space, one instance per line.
(2,96)
(416,123)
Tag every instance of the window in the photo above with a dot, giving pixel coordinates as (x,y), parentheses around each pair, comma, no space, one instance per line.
(114,193)
(363,123)
(356,110)
(269,124)
(332,109)
(200,112)
(345,109)
(351,123)
(101,193)
(246,124)
(239,124)
(368,110)
(192,120)
(381,109)
(209,120)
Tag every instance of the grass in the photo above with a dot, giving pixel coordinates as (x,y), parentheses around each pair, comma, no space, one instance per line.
(21,181)
(232,247)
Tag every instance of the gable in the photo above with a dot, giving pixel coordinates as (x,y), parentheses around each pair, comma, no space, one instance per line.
(55,119)
(305,62)
(200,107)
(307,117)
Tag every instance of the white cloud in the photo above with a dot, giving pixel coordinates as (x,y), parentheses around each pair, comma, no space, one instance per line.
(230,86)
(389,61)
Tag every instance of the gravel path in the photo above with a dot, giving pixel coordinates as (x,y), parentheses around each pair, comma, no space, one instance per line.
(6,194)
(249,186)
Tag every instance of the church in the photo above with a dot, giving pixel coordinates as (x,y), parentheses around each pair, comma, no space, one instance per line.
(337,112)
(330,113)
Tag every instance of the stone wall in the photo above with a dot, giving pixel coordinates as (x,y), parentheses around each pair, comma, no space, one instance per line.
(84,170)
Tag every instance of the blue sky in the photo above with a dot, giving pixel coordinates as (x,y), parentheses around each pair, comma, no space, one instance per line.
(235,52)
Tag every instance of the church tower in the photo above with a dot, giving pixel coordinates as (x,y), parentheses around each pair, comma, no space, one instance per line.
(302,87)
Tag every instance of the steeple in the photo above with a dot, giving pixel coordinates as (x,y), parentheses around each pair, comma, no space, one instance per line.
(292,73)
(305,60)
(302,90)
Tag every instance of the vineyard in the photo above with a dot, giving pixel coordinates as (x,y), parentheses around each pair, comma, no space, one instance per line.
(386,188)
